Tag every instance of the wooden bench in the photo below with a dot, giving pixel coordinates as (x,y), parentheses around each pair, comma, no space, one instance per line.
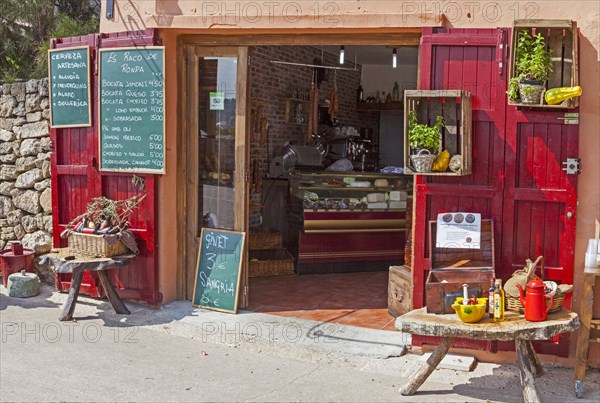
(77,265)
(515,327)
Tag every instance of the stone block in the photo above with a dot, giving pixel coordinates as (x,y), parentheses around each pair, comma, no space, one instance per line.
(19,231)
(44,103)
(28,200)
(25,164)
(48,223)
(30,147)
(14,218)
(8,173)
(6,135)
(6,123)
(18,91)
(7,105)
(46,144)
(39,241)
(46,169)
(7,234)
(39,219)
(33,117)
(32,102)
(40,186)
(9,147)
(29,223)
(33,130)
(8,158)
(27,179)
(4,90)
(20,121)
(43,87)
(6,206)
(31,86)
(23,285)
(6,187)
(19,110)
(46,201)
(46,114)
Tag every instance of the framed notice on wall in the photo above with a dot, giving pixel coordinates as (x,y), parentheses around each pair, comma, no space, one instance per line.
(131,110)
(218,271)
(69,87)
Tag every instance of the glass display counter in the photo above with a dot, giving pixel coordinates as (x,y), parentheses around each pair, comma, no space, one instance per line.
(341,221)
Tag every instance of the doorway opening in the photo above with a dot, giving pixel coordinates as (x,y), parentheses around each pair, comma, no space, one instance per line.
(324,222)
(340,238)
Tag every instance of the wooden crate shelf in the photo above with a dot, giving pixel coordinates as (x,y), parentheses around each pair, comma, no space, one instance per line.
(455,107)
(562,37)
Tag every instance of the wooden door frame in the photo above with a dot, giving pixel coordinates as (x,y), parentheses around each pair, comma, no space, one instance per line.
(188,142)
(186,75)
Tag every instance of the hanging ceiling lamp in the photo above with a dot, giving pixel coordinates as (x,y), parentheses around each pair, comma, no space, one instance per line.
(342,54)
(394,59)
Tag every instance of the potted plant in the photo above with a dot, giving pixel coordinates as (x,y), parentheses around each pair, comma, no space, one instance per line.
(533,65)
(424,142)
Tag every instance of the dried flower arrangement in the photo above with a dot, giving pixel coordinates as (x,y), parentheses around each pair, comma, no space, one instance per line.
(105,215)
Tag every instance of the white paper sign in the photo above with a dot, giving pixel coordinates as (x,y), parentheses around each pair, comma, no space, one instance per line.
(217,101)
(458,231)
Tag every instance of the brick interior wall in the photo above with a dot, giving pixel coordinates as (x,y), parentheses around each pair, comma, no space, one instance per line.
(274,82)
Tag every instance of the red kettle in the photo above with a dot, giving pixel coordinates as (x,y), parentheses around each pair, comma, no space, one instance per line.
(535,303)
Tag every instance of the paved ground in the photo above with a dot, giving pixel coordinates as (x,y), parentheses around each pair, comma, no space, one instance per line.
(182,354)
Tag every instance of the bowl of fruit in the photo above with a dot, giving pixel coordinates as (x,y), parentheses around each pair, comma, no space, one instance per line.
(473,311)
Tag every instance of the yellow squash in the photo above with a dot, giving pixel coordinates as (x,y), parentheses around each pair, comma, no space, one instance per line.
(440,164)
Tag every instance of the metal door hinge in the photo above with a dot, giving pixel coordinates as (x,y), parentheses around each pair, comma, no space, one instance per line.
(572,166)
(570,118)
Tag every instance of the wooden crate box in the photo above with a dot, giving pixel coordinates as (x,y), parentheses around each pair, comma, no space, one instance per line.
(455,107)
(399,290)
(451,268)
(562,37)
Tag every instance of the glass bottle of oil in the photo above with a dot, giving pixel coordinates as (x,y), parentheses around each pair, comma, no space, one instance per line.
(498,302)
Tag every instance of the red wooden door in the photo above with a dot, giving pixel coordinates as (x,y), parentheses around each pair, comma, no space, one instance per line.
(540,201)
(473,60)
(76,180)
(517,178)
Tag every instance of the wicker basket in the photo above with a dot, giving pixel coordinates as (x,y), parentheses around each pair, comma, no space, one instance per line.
(270,262)
(514,303)
(94,246)
(422,163)
(265,239)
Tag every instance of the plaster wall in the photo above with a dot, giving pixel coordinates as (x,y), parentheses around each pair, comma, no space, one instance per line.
(384,16)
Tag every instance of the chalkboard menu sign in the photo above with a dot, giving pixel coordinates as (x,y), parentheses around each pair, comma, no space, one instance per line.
(69,82)
(131,109)
(218,273)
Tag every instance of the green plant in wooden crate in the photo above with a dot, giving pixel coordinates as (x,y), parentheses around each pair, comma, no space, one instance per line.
(114,212)
(422,136)
(533,65)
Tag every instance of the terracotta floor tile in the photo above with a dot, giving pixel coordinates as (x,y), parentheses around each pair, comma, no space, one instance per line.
(356,299)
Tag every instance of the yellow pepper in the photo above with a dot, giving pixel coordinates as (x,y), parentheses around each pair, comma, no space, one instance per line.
(440,164)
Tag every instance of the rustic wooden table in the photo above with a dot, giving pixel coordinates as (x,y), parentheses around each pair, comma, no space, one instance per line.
(77,267)
(513,328)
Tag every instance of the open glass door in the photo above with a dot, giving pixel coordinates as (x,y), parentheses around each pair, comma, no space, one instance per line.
(216,152)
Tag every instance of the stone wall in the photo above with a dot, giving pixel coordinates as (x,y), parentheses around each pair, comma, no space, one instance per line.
(25,196)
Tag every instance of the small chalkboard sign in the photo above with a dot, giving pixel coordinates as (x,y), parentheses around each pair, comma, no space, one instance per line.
(131,109)
(69,87)
(218,271)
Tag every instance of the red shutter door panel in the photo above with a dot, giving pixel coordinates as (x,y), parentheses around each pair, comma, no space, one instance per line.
(468,60)
(76,180)
(517,177)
